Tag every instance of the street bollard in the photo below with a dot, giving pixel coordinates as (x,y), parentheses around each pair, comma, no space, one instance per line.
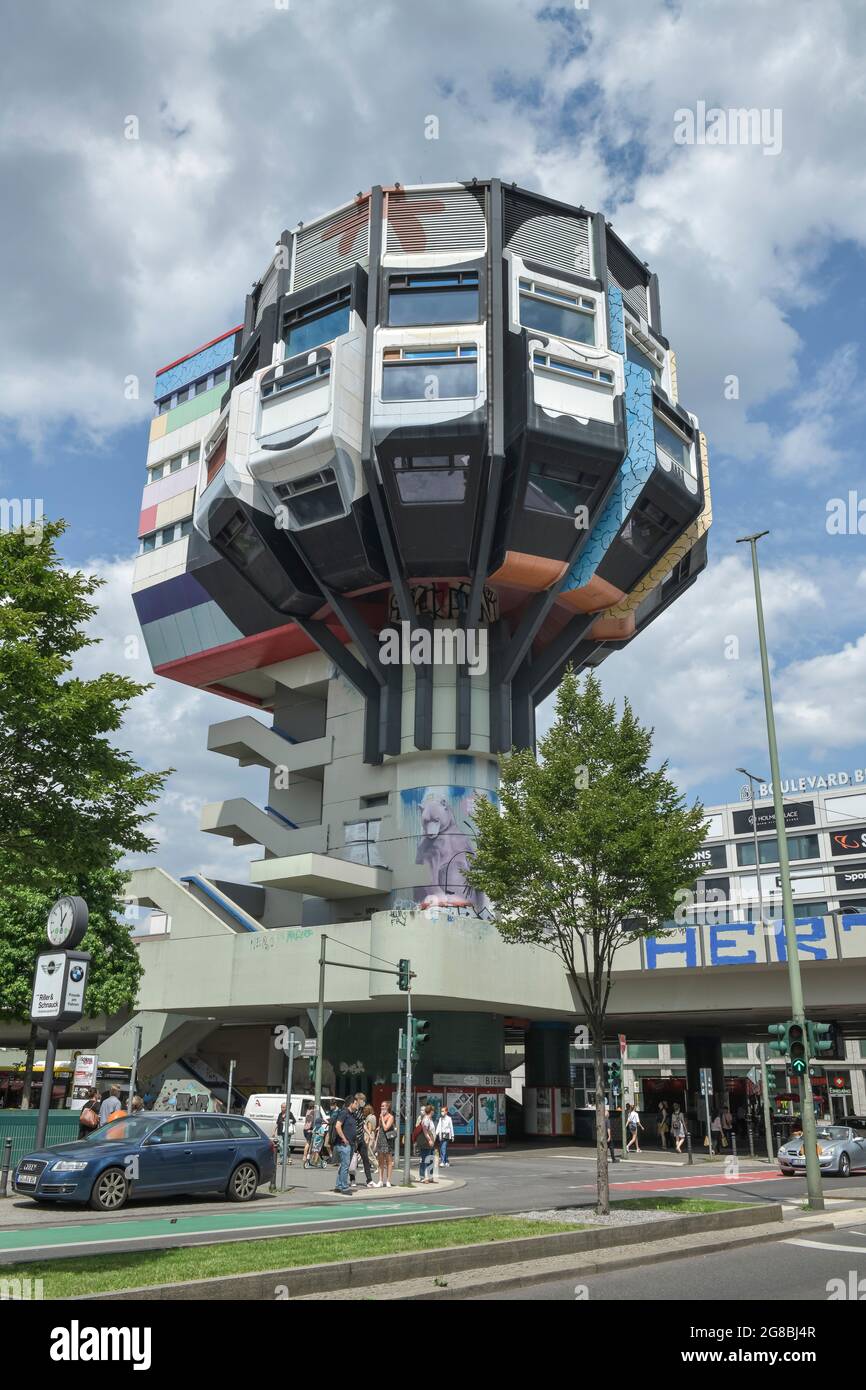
(7,1163)
(751,1137)
(733,1146)
(689,1146)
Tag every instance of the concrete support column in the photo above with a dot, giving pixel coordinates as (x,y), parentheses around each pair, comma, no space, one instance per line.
(547,1054)
(704,1052)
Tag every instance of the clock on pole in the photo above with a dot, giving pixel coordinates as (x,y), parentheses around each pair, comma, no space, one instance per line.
(67,922)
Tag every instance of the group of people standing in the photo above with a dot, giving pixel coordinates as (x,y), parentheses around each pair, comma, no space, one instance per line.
(97,1111)
(358,1136)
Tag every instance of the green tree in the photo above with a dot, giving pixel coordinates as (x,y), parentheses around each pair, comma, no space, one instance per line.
(72,803)
(586,853)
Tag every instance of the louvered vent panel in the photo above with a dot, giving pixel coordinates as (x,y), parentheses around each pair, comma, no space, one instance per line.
(554,240)
(446,219)
(631,277)
(332,245)
(268,292)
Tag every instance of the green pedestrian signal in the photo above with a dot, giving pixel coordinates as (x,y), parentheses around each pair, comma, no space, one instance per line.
(420,1034)
(403,974)
(614,1075)
(819,1039)
(797,1049)
(779,1031)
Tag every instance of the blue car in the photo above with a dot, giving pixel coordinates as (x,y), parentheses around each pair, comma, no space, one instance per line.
(151,1155)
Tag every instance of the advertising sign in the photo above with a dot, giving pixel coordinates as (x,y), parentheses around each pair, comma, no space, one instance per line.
(848,841)
(47,1002)
(798,813)
(83,1078)
(461,1108)
(851,878)
(711,857)
(488,1114)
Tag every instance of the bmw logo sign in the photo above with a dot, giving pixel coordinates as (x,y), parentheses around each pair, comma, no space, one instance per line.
(76,973)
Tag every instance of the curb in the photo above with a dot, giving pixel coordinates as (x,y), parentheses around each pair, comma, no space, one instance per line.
(347,1277)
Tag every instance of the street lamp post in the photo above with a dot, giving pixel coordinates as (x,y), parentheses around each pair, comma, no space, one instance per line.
(765,1089)
(810,1141)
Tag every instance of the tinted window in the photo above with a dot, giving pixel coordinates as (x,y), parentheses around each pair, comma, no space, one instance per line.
(556,490)
(174,1132)
(416,299)
(208,1127)
(563,319)
(634,354)
(429,380)
(670,442)
(314,499)
(317,323)
(240,1129)
(432,477)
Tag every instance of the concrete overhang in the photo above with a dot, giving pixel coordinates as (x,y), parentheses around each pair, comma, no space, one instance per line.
(320,876)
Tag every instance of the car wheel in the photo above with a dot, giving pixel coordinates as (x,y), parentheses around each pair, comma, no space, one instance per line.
(243,1183)
(110,1191)
(844,1166)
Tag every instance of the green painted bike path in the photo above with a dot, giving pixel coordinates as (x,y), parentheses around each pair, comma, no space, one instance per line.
(102,1233)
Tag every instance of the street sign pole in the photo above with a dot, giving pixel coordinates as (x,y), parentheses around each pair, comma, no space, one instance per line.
(320,1031)
(47,1088)
(706,1086)
(230,1090)
(398,1118)
(136,1057)
(410,1119)
(294,1043)
(807,1117)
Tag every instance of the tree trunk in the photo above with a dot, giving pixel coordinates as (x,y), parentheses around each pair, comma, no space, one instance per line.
(28,1068)
(603,1186)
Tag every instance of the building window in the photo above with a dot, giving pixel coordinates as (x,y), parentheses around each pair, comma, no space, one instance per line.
(147,543)
(164,406)
(361,840)
(557,488)
(155,539)
(220,376)
(312,500)
(556,311)
(810,909)
(240,539)
(799,847)
(711,857)
(431,477)
(320,322)
(431,299)
(432,374)
(643,1052)
(648,530)
(673,445)
(642,359)
(544,361)
(735,1051)
(283,378)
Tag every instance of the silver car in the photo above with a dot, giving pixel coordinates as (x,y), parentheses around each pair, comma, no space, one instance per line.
(840,1149)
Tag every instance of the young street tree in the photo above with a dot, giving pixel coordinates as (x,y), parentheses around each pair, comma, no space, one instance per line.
(586,853)
(72,803)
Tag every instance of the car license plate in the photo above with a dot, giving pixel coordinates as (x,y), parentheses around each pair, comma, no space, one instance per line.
(23,1178)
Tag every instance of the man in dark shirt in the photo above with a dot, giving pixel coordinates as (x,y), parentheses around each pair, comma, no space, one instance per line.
(346,1128)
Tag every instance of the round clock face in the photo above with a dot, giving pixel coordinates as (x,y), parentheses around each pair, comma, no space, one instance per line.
(66,922)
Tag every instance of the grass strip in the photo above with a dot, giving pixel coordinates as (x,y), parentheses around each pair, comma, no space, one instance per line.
(685,1206)
(78,1275)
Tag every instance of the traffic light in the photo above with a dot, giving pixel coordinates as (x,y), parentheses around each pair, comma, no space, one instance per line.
(797,1049)
(311,1064)
(779,1031)
(403,974)
(614,1075)
(819,1039)
(420,1034)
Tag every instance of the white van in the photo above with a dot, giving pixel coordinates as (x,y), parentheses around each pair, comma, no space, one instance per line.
(265,1107)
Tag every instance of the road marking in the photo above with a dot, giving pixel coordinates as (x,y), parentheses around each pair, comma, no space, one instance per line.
(251,1223)
(826,1245)
(710,1180)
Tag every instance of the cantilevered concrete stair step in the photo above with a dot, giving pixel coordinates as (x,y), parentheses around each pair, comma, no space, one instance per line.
(320,876)
(246,824)
(251,742)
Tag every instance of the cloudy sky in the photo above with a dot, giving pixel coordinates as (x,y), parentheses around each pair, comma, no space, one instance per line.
(118,255)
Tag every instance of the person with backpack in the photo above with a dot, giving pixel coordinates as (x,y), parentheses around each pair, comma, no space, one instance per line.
(345,1135)
(361,1150)
(88,1116)
(424,1138)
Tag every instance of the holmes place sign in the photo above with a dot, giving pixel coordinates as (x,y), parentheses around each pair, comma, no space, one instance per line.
(820,782)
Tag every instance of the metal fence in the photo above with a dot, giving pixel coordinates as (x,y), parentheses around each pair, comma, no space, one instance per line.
(21,1125)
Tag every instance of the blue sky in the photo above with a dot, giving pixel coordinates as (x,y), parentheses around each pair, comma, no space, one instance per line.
(123,255)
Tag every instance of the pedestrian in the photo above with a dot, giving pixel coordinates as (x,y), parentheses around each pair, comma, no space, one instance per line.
(386,1135)
(88,1115)
(368,1125)
(110,1106)
(361,1152)
(218,1107)
(309,1125)
(424,1135)
(663,1123)
(678,1128)
(633,1124)
(727,1124)
(331,1141)
(137,1105)
(718,1140)
(345,1133)
(444,1135)
(608,1133)
(283,1131)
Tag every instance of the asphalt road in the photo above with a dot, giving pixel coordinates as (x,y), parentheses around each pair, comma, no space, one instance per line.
(512,1180)
(805,1269)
